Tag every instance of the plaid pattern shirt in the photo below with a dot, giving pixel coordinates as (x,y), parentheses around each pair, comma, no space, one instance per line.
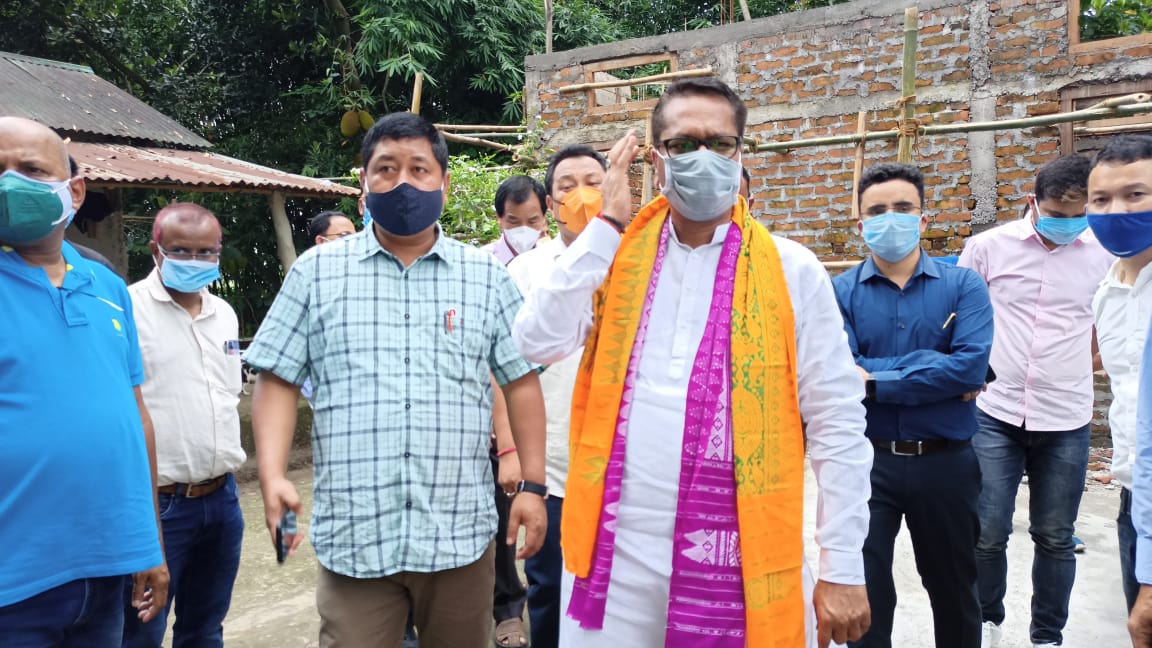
(399,359)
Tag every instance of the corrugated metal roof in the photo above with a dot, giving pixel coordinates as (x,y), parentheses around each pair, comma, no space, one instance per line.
(71,98)
(123,165)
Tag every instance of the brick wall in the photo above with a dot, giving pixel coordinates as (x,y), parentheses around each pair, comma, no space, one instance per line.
(808,74)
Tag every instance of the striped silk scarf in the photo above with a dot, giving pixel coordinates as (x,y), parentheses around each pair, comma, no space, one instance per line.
(736,572)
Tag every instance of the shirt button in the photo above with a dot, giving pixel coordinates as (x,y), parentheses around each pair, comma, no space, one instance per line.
(405,360)
(406,315)
(407,455)
(407,505)
(407,405)
(901,324)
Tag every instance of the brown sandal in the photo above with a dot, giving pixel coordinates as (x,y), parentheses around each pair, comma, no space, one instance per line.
(509,633)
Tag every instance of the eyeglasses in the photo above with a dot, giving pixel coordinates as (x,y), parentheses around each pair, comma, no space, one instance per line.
(337,235)
(180,254)
(726,145)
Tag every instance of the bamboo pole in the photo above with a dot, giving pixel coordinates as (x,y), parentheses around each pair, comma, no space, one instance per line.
(646,176)
(908,90)
(474,141)
(667,76)
(547,26)
(1086,114)
(480,127)
(1104,130)
(858,168)
(417,89)
(744,10)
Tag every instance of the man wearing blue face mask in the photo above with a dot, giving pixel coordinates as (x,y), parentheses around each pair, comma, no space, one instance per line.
(189,339)
(400,329)
(921,332)
(1120,214)
(76,447)
(1042,272)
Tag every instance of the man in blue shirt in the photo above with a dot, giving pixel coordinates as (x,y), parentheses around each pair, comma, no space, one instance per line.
(921,332)
(77,502)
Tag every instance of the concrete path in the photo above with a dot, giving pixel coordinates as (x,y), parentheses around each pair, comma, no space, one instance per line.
(275,605)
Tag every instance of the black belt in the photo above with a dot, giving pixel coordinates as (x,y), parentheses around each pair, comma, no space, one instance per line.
(918,448)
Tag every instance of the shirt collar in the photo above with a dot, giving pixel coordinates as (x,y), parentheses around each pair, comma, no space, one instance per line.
(366,244)
(1143,278)
(156,290)
(925,265)
(77,272)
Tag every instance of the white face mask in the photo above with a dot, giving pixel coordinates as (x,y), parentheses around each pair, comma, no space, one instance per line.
(521,239)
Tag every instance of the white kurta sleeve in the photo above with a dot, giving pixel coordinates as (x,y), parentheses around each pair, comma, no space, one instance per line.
(831,395)
(557,313)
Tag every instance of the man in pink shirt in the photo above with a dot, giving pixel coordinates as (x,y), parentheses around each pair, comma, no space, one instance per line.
(1042,272)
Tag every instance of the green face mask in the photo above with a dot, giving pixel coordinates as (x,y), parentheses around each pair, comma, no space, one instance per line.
(31,209)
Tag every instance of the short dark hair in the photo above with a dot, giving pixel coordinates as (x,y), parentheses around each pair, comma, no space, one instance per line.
(404,125)
(886,172)
(73,167)
(571,151)
(519,189)
(696,87)
(746,175)
(1065,178)
(319,223)
(1125,149)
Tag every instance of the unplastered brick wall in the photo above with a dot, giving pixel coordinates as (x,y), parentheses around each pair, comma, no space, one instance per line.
(809,74)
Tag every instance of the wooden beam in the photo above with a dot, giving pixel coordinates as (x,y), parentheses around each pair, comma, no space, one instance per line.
(619,83)
(285,248)
(480,127)
(474,141)
(858,168)
(547,26)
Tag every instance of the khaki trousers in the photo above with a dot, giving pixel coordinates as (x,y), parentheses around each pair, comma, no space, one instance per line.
(451,608)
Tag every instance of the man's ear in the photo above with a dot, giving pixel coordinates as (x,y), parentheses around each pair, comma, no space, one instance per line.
(79,190)
(551,206)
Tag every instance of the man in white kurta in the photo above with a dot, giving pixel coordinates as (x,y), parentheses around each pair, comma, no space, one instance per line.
(557,317)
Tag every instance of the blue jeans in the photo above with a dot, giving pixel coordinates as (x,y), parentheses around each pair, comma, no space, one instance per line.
(1055,463)
(543,571)
(1126,534)
(85,613)
(202,538)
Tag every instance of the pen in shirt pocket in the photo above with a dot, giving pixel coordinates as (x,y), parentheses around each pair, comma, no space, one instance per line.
(449,316)
(948,321)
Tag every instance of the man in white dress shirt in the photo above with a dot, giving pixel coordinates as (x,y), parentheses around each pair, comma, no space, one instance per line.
(701,121)
(190,342)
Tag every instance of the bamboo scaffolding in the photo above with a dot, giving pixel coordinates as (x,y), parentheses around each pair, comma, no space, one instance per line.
(619,83)
(858,168)
(1085,114)
(492,134)
(480,127)
(417,89)
(646,175)
(908,89)
(475,141)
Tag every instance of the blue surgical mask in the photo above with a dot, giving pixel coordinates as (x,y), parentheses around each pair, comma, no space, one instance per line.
(892,236)
(188,275)
(30,209)
(405,210)
(1060,231)
(701,185)
(1123,234)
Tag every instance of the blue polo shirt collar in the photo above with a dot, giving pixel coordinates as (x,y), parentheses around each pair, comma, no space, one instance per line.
(77,273)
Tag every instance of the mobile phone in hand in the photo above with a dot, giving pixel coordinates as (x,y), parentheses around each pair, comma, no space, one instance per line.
(284,532)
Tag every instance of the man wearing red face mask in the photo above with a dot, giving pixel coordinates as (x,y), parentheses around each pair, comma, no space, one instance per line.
(573,182)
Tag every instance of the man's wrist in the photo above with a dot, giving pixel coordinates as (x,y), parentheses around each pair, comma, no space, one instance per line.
(616,223)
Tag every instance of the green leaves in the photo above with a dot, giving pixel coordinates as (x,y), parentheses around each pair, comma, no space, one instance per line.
(1103,19)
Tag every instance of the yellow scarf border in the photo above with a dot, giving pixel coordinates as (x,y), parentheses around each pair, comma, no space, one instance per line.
(767,433)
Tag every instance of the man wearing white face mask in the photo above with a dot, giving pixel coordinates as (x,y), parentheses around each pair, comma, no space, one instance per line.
(921,332)
(78,508)
(1042,272)
(520,206)
(189,339)
(709,344)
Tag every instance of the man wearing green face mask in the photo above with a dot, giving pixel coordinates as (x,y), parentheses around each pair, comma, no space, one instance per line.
(77,460)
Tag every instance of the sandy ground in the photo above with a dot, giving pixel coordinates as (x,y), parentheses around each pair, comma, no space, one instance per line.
(275,605)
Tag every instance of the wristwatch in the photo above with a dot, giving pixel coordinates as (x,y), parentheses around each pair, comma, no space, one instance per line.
(532,487)
(870,388)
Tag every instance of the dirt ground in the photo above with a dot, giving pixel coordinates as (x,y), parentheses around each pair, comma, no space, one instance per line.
(274,606)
